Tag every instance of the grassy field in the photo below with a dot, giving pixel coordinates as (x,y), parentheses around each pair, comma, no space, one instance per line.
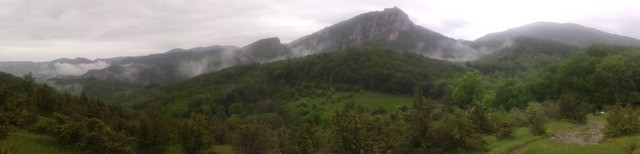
(219,149)
(520,137)
(550,147)
(626,144)
(367,99)
(21,142)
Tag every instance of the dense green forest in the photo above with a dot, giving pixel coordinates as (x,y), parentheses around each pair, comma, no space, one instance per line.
(364,100)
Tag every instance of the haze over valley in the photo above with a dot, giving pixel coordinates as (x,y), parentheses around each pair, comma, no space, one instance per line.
(309,77)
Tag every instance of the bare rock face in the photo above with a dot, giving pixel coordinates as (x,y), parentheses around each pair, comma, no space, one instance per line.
(390,29)
(264,50)
(386,25)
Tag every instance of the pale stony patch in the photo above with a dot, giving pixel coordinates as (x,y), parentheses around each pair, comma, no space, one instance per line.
(592,134)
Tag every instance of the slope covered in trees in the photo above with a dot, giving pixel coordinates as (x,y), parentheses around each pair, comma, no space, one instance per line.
(351,70)
(524,57)
(266,108)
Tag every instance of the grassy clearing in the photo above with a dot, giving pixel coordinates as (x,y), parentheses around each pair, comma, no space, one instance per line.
(223,149)
(367,99)
(219,149)
(22,142)
(550,147)
(627,144)
(521,136)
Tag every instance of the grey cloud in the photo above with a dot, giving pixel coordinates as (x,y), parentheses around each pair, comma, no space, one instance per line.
(49,29)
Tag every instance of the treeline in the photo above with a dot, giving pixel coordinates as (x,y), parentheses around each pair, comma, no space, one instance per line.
(601,77)
(79,123)
(525,57)
(255,85)
(247,107)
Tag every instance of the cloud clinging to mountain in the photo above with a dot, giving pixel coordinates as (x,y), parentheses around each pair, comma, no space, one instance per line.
(43,30)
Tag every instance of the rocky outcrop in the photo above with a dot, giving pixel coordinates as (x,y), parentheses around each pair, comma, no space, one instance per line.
(372,26)
(264,50)
(390,28)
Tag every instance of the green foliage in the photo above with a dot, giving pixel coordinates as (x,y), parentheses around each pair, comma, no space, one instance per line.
(468,90)
(43,125)
(357,132)
(296,140)
(151,133)
(433,130)
(536,118)
(352,70)
(573,109)
(421,117)
(512,93)
(28,83)
(524,57)
(242,106)
(503,123)
(463,132)
(617,77)
(628,144)
(599,75)
(45,99)
(194,134)
(4,131)
(21,141)
(253,138)
(622,120)
(92,136)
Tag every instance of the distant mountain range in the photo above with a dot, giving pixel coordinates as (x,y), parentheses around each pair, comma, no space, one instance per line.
(388,29)
(568,33)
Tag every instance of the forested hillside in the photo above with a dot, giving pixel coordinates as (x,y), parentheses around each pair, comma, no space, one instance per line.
(352,70)
(362,100)
(524,57)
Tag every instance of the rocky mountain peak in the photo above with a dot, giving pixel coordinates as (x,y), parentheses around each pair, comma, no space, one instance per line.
(386,25)
(263,50)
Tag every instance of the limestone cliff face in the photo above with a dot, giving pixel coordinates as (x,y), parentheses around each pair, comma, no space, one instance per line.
(373,26)
(390,28)
(264,50)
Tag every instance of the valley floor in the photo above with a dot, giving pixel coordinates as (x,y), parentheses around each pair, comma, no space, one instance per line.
(568,138)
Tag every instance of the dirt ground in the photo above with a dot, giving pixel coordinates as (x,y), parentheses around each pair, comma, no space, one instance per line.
(591,134)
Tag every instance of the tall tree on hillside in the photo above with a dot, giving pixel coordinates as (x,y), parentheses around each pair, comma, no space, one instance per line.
(45,99)
(253,138)
(152,133)
(194,135)
(421,118)
(468,90)
(619,79)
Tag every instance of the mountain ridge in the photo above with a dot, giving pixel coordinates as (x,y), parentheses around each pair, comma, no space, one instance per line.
(390,29)
(569,33)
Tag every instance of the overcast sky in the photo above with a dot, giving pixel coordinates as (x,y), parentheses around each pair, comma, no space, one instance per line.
(43,30)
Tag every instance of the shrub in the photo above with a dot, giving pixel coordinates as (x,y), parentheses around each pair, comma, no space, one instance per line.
(43,125)
(573,109)
(359,132)
(194,134)
(627,143)
(535,116)
(252,138)
(552,110)
(503,123)
(622,121)
(298,139)
(4,131)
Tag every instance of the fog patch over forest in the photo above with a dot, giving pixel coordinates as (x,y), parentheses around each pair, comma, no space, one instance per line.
(74,69)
